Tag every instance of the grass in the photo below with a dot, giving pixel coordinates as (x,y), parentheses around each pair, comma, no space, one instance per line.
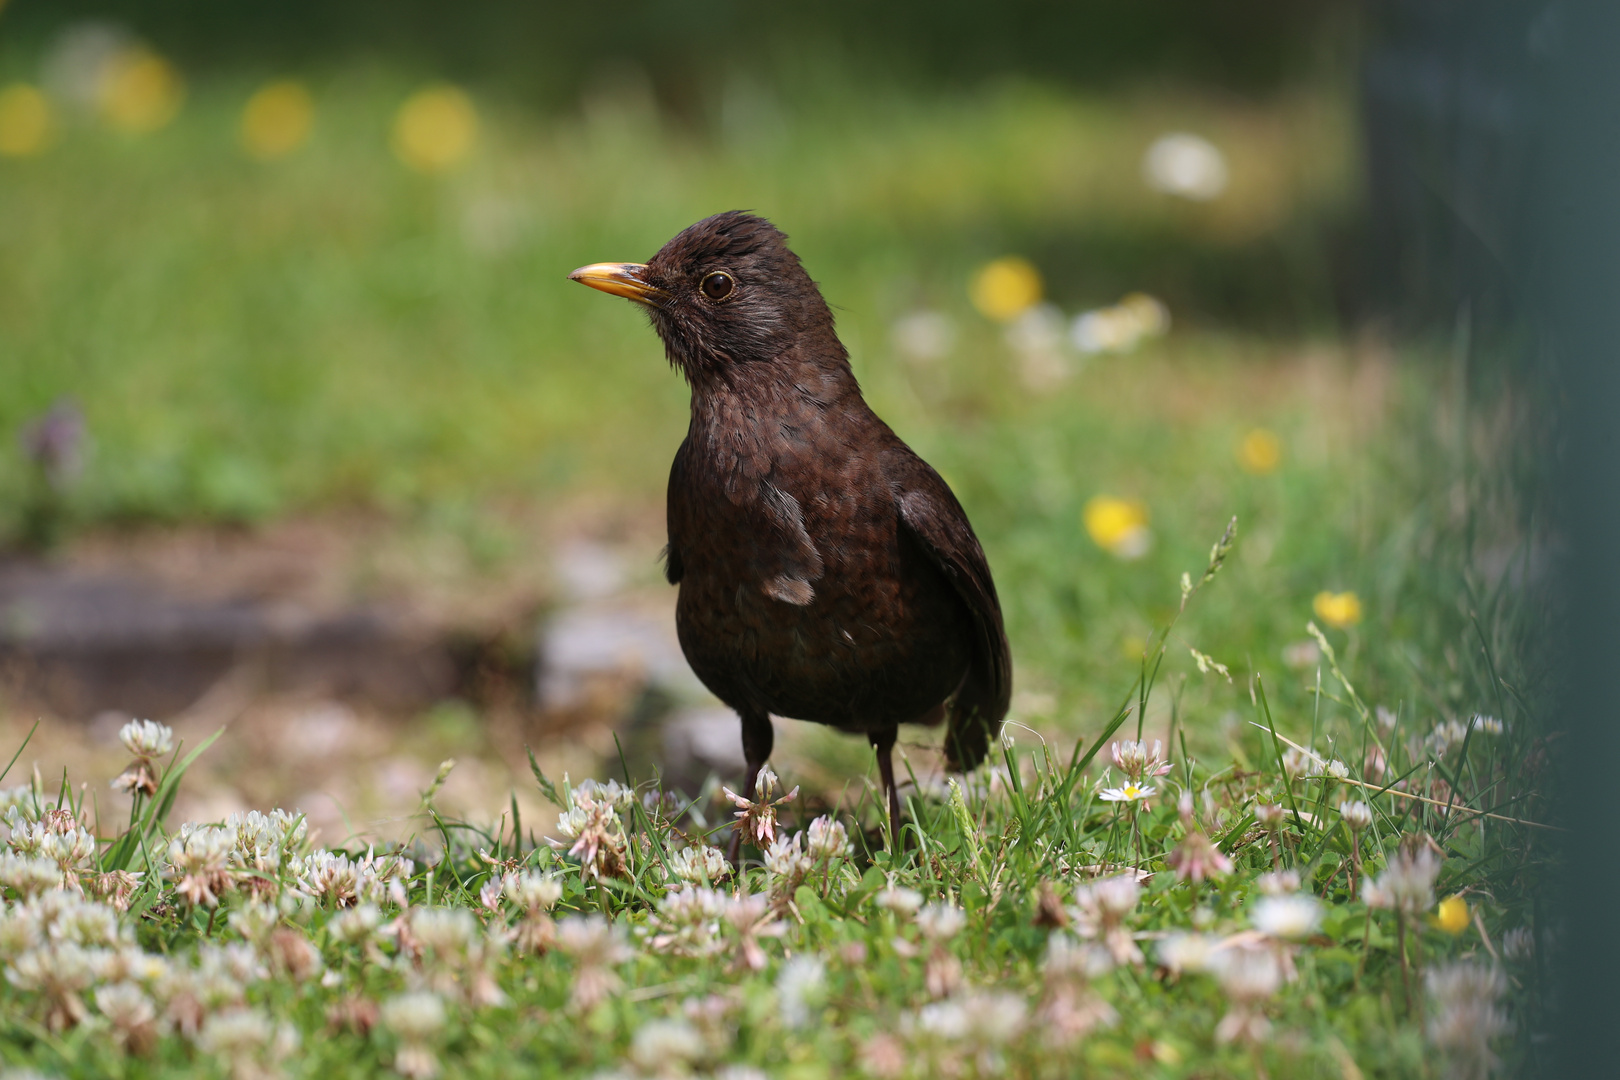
(1062,932)
(249,341)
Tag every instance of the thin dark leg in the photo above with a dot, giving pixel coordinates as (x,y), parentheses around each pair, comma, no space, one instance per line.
(758,737)
(883,742)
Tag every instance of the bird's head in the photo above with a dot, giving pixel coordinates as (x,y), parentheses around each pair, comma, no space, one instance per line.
(723,293)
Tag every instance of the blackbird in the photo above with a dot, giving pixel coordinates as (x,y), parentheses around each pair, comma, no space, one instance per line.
(826,572)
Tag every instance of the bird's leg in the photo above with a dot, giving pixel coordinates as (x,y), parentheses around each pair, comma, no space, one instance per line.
(883,742)
(758,737)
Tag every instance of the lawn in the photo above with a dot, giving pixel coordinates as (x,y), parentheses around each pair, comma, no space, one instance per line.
(1332,874)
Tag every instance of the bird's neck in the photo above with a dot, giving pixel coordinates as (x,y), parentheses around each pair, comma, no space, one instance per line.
(761,408)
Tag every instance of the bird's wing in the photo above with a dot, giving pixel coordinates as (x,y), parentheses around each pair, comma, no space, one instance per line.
(674,567)
(930,512)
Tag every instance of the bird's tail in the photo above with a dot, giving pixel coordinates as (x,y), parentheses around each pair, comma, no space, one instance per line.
(977,711)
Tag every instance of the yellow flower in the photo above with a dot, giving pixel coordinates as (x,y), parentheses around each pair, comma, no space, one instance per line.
(1118,526)
(1338,610)
(276,119)
(140,91)
(1005,288)
(435,129)
(1260,452)
(25,121)
(1452,915)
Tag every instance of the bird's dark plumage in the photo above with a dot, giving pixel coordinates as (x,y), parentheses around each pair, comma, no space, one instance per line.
(826,572)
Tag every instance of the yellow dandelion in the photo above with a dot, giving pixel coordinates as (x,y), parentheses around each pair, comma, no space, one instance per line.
(1260,452)
(1337,609)
(1118,526)
(435,129)
(1452,915)
(1005,288)
(277,119)
(139,91)
(25,121)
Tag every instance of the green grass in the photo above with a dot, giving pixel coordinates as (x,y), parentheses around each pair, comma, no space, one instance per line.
(282,965)
(247,338)
(252,340)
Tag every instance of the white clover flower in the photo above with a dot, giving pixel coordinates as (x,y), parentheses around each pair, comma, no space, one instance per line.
(197,862)
(1067,958)
(611,793)
(1278,882)
(126,1006)
(1101,910)
(1464,1016)
(1247,973)
(1197,857)
(254,921)
(236,1033)
(1187,952)
(980,1021)
(1137,761)
(443,930)
(1357,815)
(19,931)
(659,1046)
(757,817)
(415,1017)
(1270,815)
(1117,895)
(1487,725)
(59,973)
(751,918)
(597,832)
(19,799)
(700,864)
(901,901)
(532,890)
(799,988)
(146,739)
(1518,943)
(29,875)
(786,859)
(236,963)
(1295,762)
(128,963)
(941,922)
(88,923)
(357,924)
(489,897)
(264,840)
(827,839)
(1407,883)
(688,921)
(595,946)
(1445,735)
(1336,770)
(1291,917)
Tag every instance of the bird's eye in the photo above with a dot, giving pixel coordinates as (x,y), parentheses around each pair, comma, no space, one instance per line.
(718,286)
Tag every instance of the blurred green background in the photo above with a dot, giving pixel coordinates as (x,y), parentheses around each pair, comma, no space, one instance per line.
(301,260)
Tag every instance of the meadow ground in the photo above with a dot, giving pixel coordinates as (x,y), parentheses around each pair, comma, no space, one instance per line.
(254,341)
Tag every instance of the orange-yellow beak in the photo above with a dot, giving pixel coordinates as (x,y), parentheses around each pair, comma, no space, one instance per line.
(621,279)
